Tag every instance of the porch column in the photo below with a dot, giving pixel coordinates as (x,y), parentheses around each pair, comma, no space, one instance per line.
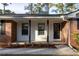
(47,31)
(29,31)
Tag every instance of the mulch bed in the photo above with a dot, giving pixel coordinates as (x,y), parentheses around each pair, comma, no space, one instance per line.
(34,46)
(26,45)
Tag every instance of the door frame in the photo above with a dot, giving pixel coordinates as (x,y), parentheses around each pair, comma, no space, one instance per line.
(53,33)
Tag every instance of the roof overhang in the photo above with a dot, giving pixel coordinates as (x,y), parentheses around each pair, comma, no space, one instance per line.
(24,16)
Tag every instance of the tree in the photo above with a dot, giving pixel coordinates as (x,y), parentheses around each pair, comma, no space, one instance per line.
(70,7)
(45,8)
(4,5)
(63,8)
(53,8)
(60,7)
(37,8)
(28,7)
(51,4)
(13,13)
(0,11)
(9,12)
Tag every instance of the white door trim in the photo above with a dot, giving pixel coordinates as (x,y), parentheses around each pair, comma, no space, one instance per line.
(53,33)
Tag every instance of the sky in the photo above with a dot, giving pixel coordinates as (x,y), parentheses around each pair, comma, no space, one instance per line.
(19,8)
(16,7)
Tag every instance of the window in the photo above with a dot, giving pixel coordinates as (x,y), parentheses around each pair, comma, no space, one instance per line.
(25,29)
(41,28)
(2,27)
(78,24)
(56,30)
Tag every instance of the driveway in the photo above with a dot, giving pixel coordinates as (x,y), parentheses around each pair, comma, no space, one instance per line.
(60,50)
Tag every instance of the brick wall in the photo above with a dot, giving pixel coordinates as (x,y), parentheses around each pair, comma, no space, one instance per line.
(10,32)
(73,29)
(64,31)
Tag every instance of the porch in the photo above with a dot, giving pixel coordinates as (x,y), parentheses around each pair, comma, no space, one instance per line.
(33,31)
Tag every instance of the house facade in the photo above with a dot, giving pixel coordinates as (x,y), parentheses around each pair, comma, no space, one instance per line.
(23,29)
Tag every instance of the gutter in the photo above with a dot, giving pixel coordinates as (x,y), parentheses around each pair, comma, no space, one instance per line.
(69,36)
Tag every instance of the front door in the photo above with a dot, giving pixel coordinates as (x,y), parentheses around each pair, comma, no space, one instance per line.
(56,32)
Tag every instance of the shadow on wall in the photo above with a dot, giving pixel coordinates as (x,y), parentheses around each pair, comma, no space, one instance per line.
(64,31)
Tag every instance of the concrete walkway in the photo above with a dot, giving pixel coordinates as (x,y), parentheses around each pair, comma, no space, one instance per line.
(60,50)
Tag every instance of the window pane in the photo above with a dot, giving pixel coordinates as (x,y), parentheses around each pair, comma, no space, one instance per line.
(41,28)
(56,30)
(25,29)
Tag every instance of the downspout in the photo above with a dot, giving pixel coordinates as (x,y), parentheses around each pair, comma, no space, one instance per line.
(69,36)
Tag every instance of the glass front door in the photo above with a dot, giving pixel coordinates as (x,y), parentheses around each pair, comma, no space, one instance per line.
(56,30)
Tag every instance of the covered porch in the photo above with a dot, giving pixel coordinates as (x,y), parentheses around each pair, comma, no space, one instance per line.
(37,30)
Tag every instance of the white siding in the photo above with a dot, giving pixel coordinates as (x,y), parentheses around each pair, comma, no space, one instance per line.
(34,31)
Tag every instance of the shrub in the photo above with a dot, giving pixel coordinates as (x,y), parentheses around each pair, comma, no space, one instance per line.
(76,37)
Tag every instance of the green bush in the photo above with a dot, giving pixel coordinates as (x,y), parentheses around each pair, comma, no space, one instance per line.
(76,37)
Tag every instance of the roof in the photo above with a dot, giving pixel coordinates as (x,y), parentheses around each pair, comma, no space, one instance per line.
(22,15)
(35,15)
(31,16)
(73,11)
